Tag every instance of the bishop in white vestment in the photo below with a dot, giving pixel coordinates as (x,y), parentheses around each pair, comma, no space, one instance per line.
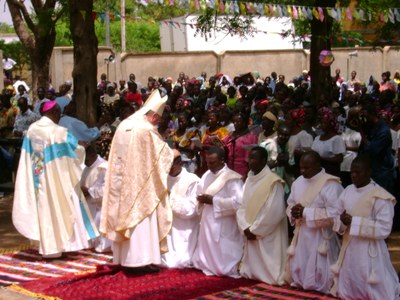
(136,214)
(49,206)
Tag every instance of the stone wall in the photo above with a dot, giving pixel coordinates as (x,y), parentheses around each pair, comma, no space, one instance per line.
(369,61)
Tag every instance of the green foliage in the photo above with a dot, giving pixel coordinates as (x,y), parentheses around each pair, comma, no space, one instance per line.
(160,12)
(63,34)
(5,28)
(18,53)
(228,24)
(141,36)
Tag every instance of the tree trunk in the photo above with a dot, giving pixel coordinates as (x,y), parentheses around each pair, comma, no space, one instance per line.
(321,88)
(40,60)
(85,59)
(37,37)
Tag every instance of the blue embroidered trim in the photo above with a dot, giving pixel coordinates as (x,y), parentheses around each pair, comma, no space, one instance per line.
(27,145)
(86,221)
(59,150)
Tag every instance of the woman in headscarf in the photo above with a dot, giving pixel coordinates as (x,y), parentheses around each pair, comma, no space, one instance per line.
(239,143)
(329,144)
(183,137)
(268,137)
(212,136)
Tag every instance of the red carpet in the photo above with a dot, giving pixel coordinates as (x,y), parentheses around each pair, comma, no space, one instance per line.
(59,279)
(112,283)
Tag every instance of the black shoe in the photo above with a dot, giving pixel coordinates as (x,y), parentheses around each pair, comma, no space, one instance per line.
(142,270)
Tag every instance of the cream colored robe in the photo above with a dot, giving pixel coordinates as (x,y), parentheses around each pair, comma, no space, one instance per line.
(136,213)
(49,206)
(264,258)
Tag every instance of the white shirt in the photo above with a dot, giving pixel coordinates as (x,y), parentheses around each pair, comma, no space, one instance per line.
(8,64)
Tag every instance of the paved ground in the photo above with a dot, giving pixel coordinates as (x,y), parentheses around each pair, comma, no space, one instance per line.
(10,238)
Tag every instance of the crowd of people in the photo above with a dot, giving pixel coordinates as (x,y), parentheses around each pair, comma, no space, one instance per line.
(208,172)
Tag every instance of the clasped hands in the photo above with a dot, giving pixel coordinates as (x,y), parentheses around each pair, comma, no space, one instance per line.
(249,235)
(297,211)
(346,218)
(205,199)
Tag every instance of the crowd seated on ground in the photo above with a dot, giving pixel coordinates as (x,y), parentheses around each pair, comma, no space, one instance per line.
(236,114)
(207,108)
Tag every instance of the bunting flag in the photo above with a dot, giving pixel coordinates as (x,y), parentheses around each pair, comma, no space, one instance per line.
(248,8)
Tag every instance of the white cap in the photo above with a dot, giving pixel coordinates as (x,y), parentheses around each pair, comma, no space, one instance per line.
(155,103)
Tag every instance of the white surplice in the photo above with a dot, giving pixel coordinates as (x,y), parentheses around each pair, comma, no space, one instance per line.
(220,244)
(366,271)
(264,258)
(182,238)
(318,246)
(93,179)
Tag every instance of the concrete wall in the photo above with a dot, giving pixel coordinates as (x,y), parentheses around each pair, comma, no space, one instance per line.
(369,61)
(287,62)
(168,64)
(62,63)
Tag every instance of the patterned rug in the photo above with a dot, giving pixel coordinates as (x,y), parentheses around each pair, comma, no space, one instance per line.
(265,291)
(26,264)
(89,275)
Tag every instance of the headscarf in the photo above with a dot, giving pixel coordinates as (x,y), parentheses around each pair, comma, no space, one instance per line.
(327,114)
(270,116)
(298,115)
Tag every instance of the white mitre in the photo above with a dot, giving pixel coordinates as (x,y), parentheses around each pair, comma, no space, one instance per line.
(155,103)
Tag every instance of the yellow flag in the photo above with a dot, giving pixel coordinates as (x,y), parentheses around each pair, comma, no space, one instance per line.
(315,13)
(289,11)
(242,8)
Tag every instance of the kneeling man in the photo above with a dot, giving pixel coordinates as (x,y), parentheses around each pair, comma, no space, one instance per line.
(311,207)
(364,215)
(182,238)
(262,219)
(220,244)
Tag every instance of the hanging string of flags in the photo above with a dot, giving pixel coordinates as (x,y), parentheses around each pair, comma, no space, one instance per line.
(101,15)
(296,12)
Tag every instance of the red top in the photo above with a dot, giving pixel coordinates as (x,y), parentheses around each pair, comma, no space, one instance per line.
(134,97)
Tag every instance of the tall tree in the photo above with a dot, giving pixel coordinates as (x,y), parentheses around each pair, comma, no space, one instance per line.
(321,36)
(85,58)
(37,34)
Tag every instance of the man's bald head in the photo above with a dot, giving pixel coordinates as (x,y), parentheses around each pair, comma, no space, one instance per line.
(176,167)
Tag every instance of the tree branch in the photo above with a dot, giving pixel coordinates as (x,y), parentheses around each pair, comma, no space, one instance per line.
(23,13)
(22,31)
(59,14)
(37,4)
